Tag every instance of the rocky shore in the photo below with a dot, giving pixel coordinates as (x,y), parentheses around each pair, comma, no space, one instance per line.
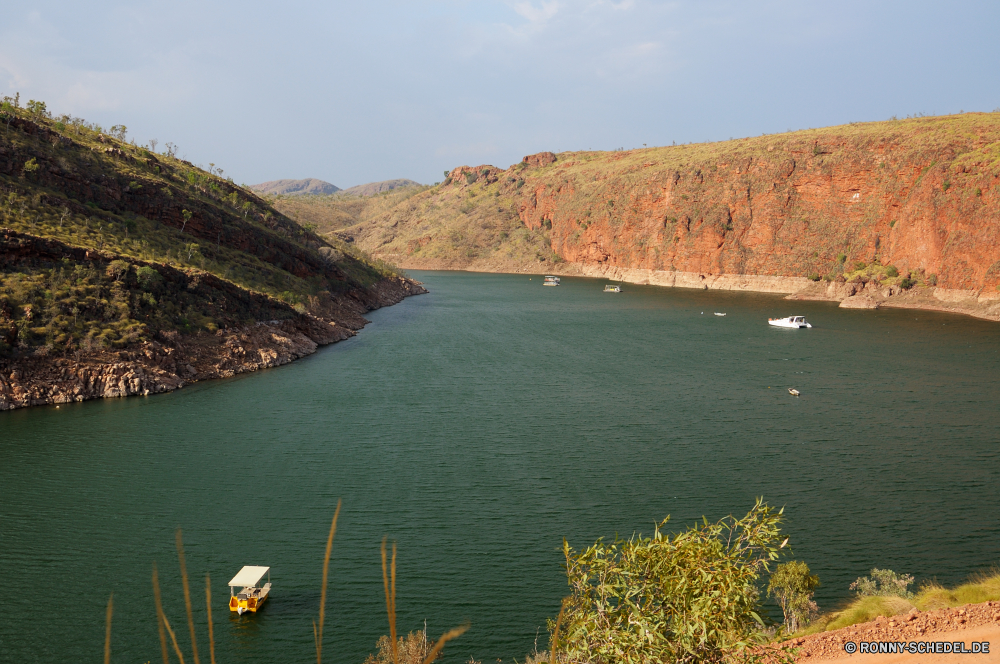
(172,360)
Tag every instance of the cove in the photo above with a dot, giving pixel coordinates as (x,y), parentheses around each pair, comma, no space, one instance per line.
(477,426)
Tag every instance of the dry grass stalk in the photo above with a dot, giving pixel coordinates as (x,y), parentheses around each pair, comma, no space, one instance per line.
(390,600)
(107,630)
(412,649)
(318,631)
(187,596)
(555,634)
(208,606)
(159,615)
(173,638)
(445,638)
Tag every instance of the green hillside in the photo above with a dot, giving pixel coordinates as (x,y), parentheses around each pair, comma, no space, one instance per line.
(108,243)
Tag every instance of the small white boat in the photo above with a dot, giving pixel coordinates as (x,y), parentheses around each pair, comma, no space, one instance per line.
(793,391)
(789,321)
(718,314)
(551,281)
(612,289)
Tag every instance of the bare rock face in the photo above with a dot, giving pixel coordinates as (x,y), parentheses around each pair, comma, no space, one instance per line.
(864,301)
(540,159)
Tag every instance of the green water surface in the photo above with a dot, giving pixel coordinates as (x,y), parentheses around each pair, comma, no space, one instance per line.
(478,426)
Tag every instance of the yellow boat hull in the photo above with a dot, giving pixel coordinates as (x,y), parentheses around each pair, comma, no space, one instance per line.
(252,604)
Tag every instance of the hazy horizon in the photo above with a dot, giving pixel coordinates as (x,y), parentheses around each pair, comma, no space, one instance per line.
(353,94)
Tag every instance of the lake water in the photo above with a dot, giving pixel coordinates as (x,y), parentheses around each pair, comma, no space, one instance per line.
(478,426)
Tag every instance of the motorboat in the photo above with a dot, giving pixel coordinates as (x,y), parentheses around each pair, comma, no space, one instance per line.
(551,281)
(793,391)
(789,321)
(611,288)
(251,595)
(719,314)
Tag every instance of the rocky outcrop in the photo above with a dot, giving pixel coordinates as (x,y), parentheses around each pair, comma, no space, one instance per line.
(174,360)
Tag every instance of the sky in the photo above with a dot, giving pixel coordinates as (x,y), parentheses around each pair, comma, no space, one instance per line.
(356,92)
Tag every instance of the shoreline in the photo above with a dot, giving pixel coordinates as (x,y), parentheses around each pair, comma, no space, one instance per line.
(985,306)
(172,360)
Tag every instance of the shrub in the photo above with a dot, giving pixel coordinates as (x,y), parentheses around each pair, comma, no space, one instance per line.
(841,258)
(147,277)
(813,277)
(932,280)
(907,283)
(793,586)
(470,177)
(692,597)
(860,265)
(883,583)
(118,269)
(891,271)
(946,186)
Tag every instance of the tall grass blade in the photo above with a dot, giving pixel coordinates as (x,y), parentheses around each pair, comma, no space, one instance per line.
(445,638)
(208,606)
(107,630)
(555,634)
(187,596)
(173,638)
(159,616)
(318,630)
(390,599)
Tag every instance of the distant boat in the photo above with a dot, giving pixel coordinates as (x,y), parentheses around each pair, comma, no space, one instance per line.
(612,289)
(789,321)
(551,281)
(718,314)
(793,391)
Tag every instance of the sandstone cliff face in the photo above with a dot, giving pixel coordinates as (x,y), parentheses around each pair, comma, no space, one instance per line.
(923,195)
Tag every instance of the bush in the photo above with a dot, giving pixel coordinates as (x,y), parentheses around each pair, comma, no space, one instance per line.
(692,597)
(147,277)
(812,277)
(470,177)
(932,280)
(883,583)
(892,271)
(841,258)
(793,587)
(907,283)
(860,265)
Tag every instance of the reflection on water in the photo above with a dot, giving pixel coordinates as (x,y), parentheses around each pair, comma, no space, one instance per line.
(478,426)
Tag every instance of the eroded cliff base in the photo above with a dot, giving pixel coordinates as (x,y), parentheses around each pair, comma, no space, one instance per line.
(173,360)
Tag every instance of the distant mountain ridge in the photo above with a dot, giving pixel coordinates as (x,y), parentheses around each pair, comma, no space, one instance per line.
(289,187)
(373,188)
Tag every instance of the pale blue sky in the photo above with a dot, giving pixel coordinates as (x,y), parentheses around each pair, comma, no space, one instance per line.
(364,91)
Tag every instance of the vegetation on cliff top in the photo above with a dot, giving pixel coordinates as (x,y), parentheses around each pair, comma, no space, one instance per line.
(85,187)
(921,194)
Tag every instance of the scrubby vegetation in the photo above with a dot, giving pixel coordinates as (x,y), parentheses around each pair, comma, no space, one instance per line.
(886,594)
(150,213)
(690,597)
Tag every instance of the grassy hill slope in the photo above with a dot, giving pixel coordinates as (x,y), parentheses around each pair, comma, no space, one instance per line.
(293,187)
(108,244)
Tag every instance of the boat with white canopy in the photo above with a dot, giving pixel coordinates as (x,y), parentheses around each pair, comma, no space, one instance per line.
(251,595)
(789,321)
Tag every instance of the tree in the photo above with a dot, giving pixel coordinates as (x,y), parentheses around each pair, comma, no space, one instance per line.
(118,269)
(692,597)
(37,109)
(147,277)
(883,582)
(119,132)
(152,145)
(793,587)
(187,217)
